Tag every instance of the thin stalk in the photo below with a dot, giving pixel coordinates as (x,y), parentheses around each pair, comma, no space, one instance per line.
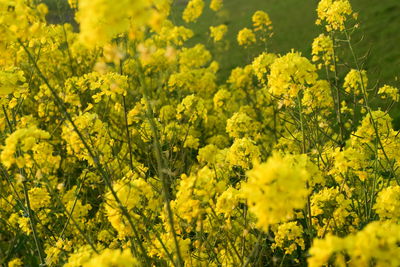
(160,169)
(128,135)
(338,95)
(70,217)
(33,226)
(364,93)
(304,152)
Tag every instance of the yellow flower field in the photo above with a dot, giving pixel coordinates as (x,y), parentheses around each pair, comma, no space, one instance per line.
(121,144)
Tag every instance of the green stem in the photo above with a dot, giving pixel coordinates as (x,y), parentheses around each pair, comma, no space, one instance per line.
(33,226)
(160,169)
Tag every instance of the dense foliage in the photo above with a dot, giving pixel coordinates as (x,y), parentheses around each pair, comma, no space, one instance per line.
(121,145)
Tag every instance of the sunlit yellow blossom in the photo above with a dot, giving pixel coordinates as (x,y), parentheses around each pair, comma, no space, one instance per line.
(25,225)
(11,79)
(113,258)
(23,140)
(218,32)
(243,153)
(318,98)
(275,189)
(289,236)
(194,57)
(158,248)
(80,256)
(17,262)
(388,203)
(289,75)
(193,10)
(125,189)
(377,242)
(194,193)
(391,92)
(208,154)
(38,198)
(240,125)
(356,81)
(246,37)
(228,201)
(322,49)
(323,249)
(175,35)
(261,21)
(221,97)
(191,108)
(334,13)
(241,77)
(101,20)
(90,125)
(329,205)
(216,4)
(261,65)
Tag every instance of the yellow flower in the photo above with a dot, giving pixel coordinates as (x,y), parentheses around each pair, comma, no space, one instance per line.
(221,98)
(240,125)
(16,262)
(261,65)
(227,202)
(387,204)
(191,108)
(25,139)
(275,189)
(318,98)
(38,198)
(334,13)
(243,153)
(246,37)
(101,20)
(323,249)
(194,194)
(193,10)
(194,57)
(356,81)
(289,75)
(389,91)
(261,21)
(377,243)
(289,236)
(10,80)
(218,32)
(112,258)
(216,4)
(322,49)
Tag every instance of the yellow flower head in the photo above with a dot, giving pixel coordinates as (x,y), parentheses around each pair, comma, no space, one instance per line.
(246,37)
(193,10)
(218,32)
(334,13)
(216,4)
(261,21)
(276,188)
(289,75)
(322,49)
